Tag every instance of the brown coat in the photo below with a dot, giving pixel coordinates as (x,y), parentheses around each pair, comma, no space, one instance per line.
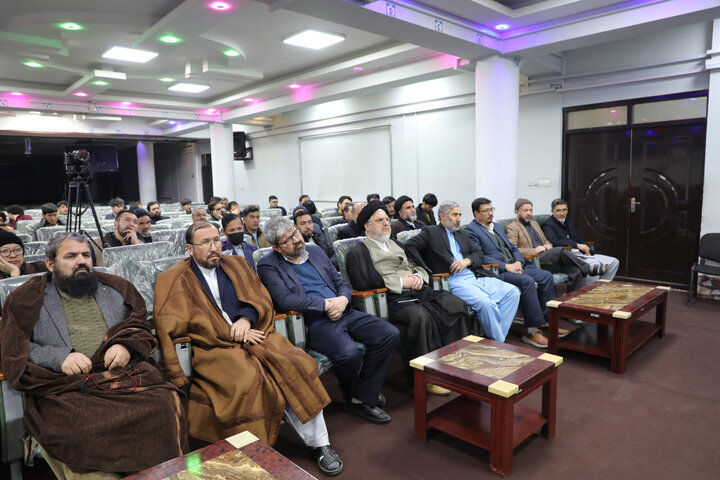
(518,236)
(235,386)
(122,420)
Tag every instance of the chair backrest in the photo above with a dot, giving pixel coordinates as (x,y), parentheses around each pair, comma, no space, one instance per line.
(7,285)
(328,210)
(342,247)
(24,237)
(175,236)
(34,258)
(328,222)
(33,212)
(406,235)
(260,253)
(270,212)
(332,233)
(540,219)
(145,283)
(710,247)
(124,260)
(505,222)
(46,233)
(160,226)
(34,248)
(181,222)
(22,225)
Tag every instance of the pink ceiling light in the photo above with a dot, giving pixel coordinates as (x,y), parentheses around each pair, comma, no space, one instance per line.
(294,86)
(220,6)
(17,94)
(80,94)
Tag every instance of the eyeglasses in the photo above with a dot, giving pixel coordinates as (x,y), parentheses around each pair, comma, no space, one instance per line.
(295,233)
(206,244)
(381,220)
(487,210)
(6,252)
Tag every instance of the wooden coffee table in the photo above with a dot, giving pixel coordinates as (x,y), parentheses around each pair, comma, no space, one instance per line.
(491,377)
(612,311)
(240,457)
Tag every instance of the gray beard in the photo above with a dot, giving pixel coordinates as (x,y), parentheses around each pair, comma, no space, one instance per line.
(411,218)
(382,238)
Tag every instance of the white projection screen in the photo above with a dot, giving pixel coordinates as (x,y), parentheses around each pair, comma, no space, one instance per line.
(354,162)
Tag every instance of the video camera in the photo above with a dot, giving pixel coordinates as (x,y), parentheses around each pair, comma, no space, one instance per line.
(77,165)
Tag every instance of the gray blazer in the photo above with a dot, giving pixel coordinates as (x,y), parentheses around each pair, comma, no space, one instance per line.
(50,342)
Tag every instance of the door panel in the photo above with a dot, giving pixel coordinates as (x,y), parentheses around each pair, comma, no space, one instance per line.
(667,174)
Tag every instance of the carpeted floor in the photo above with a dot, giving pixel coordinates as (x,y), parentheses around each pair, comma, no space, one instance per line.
(660,420)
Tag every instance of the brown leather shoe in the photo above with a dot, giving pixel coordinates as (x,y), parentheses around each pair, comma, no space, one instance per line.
(537,340)
(561,331)
(436,390)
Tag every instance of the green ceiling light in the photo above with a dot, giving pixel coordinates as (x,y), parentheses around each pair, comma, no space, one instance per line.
(102,83)
(170,39)
(33,64)
(71,26)
(166,79)
(232,53)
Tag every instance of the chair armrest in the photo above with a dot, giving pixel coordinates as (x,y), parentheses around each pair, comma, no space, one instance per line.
(438,276)
(591,242)
(489,266)
(362,293)
(279,316)
(530,256)
(181,340)
(2,376)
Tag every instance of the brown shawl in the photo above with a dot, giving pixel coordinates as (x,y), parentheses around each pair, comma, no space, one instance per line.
(235,386)
(123,420)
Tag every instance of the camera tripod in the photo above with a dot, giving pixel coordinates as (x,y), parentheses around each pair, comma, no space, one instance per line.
(78,192)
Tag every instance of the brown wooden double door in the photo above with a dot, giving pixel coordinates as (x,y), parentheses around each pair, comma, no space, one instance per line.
(637,192)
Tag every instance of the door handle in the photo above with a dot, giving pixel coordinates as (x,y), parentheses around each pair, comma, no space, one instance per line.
(633,203)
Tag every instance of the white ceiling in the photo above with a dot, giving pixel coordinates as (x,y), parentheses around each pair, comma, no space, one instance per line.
(391,50)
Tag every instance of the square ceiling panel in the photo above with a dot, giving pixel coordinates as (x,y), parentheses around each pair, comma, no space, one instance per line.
(515,4)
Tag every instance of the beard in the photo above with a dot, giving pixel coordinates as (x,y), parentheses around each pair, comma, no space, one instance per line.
(411,218)
(382,238)
(212,261)
(81,283)
(298,252)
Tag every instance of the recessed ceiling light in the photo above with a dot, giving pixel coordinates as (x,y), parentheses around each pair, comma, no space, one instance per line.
(189,87)
(80,94)
(127,103)
(502,26)
(166,79)
(172,122)
(33,64)
(220,6)
(17,94)
(129,54)
(35,112)
(248,99)
(357,69)
(70,26)
(294,85)
(314,39)
(211,110)
(102,83)
(232,53)
(170,39)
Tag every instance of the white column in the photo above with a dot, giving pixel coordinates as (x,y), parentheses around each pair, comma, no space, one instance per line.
(146,172)
(711,189)
(497,87)
(223,169)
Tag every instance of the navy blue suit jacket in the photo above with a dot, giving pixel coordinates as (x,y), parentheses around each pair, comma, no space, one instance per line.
(246,248)
(278,276)
(482,237)
(561,235)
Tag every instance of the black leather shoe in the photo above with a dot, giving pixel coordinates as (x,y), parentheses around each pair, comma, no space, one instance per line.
(328,460)
(368,412)
(381,400)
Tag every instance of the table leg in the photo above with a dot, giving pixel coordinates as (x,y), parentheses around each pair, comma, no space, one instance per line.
(619,343)
(549,403)
(420,406)
(553,323)
(501,431)
(660,312)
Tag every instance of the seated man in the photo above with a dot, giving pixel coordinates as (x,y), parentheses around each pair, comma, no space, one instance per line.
(312,234)
(233,207)
(526,235)
(246,375)
(232,228)
(155,212)
(50,218)
(144,224)
(62,208)
(199,215)
(3,223)
(560,231)
(372,196)
(389,203)
(302,199)
(427,320)
(186,206)
(514,269)
(117,205)
(216,210)
(406,217)
(251,219)
(12,263)
(352,229)
(342,201)
(125,233)
(78,344)
(273,203)
(16,213)
(426,214)
(445,248)
(309,205)
(301,278)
